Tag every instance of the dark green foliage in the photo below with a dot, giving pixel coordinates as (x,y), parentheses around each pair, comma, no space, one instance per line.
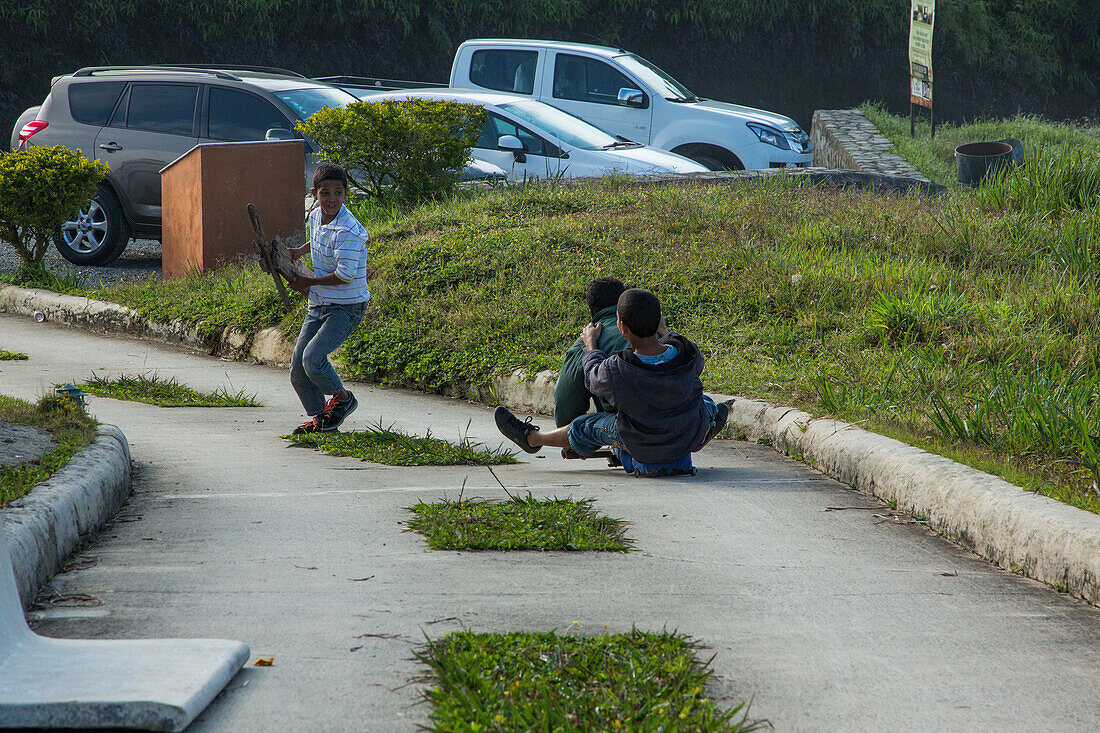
(6,355)
(521,523)
(40,188)
(156,390)
(639,682)
(794,57)
(68,424)
(395,448)
(406,150)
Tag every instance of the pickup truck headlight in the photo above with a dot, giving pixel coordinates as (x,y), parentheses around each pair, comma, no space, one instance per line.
(770,136)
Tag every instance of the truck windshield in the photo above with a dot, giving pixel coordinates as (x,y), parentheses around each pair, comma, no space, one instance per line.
(562,125)
(305,102)
(663,84)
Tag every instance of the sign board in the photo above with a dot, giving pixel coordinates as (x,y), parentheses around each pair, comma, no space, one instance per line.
(920,51)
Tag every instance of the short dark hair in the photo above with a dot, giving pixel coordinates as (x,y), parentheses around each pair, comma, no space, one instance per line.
(329,172)
(640,311)
(603,292)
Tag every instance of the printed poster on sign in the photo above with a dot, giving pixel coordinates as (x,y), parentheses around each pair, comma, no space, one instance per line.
(920,51)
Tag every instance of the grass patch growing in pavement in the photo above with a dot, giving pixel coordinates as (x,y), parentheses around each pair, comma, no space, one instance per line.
(6,355)
(153,389)
(549,682)
(394,448)
(67,423)
(519,523)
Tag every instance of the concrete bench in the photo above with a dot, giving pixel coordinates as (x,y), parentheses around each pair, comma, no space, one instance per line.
(149,684)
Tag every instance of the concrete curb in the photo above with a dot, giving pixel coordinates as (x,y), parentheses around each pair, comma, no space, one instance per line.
(46,525)
(1021,531)
(1018,530)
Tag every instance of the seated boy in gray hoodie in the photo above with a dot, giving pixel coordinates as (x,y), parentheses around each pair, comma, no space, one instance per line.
(663,415)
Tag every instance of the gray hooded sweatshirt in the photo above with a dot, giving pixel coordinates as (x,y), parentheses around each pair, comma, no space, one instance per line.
(661,416)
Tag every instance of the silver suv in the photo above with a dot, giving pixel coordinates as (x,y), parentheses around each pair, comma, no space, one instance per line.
(138,119)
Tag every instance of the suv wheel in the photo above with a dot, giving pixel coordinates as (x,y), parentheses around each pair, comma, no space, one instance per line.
(97,234)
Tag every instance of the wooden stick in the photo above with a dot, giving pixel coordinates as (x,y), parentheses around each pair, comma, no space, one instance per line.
(265,255)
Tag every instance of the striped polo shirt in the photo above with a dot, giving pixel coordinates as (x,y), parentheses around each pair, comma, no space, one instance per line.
(339,247)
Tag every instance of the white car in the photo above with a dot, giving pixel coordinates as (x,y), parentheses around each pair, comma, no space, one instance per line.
(627,95)
(529,139)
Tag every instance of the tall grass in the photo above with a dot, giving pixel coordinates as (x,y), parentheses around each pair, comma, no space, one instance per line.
(936,158)
(1055,182)
(1047,410)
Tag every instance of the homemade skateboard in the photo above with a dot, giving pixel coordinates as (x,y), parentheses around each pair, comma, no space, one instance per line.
(612,459)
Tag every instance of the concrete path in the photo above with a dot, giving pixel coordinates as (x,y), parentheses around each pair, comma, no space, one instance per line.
(846,620)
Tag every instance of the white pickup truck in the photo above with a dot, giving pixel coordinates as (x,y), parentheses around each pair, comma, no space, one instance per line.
(628,96)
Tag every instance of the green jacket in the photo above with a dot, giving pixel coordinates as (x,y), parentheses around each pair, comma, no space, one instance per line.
(571,398)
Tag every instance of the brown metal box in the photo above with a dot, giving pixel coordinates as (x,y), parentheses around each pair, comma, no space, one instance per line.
(205,194)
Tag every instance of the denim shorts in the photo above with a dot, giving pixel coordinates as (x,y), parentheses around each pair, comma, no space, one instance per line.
(592,431)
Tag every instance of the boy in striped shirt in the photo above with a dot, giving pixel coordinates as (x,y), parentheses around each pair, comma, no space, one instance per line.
(337,295)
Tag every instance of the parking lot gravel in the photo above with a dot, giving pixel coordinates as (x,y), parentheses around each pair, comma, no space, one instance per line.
(140,261)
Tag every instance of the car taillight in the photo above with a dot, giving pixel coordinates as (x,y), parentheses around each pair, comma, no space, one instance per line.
(31,128)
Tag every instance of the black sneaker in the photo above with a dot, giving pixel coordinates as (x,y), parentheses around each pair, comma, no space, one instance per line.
(514,429)
(720,420)
(309,426)
(335,413)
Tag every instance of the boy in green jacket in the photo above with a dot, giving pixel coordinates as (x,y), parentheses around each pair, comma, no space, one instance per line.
(571,397)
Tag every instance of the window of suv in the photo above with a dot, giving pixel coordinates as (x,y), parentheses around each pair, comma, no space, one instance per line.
(588,80)
(236,115)
(505,71)
(159,108)
(308,101)
(92,102)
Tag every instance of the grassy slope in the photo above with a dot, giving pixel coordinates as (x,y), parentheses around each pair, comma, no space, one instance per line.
(846,303)
(853,304)
(936,158)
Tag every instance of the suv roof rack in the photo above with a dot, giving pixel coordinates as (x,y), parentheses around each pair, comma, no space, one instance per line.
(370,82)
(232,67)
(89,70)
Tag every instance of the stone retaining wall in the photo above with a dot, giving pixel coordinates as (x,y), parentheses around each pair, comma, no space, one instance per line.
(846,139)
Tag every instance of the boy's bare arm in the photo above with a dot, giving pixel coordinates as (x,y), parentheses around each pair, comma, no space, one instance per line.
(303,284)
(296,252)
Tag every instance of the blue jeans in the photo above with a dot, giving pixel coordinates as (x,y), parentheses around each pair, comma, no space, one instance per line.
(325,328)
(588,433)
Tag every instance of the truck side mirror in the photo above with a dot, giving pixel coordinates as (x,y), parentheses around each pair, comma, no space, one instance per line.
(631,97)
(511,142)
(279,133)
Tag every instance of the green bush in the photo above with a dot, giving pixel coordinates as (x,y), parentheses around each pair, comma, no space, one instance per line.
(39,189)
(411,150)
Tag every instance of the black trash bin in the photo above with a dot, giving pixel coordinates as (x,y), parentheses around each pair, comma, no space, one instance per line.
(975,161)
(1017,150)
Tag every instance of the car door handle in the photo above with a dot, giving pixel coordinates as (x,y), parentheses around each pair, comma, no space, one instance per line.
(110,147)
